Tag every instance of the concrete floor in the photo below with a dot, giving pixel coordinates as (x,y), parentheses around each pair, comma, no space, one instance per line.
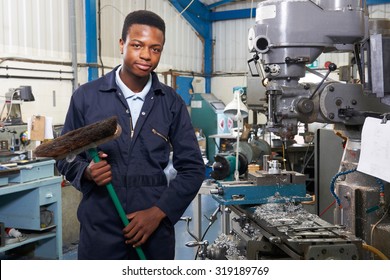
(70,225)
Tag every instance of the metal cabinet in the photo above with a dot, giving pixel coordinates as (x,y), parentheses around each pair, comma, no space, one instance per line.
(33,206)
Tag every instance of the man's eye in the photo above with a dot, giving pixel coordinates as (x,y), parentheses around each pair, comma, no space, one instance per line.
(156,50)
(136,46)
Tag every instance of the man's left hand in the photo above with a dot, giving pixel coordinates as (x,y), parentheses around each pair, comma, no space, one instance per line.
(142,224)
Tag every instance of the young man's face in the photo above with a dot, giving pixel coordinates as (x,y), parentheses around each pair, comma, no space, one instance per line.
(142,49)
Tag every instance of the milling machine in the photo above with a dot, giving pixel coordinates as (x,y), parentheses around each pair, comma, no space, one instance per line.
(264,216)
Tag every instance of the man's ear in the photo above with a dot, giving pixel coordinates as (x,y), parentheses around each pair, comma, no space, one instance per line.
(121,44)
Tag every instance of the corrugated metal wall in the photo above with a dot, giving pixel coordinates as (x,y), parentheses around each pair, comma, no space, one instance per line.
(34,28)
(40,29)
(379,11)
(231,48)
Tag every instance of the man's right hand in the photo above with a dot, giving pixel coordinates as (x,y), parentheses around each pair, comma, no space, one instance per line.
(99,172)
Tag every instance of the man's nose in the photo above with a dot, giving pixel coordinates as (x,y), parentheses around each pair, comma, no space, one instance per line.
(145,53)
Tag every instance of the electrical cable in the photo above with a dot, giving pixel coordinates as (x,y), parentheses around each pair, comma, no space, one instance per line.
(307,162)
(100,36)
(375,251)
(188,229)
(306,152)
(203,236)
(212,219)
(100,9)
(377,223)
(332,184)
(115,8)
(381,203)
(205,232)
(171,20)
(186,8)
(327,208)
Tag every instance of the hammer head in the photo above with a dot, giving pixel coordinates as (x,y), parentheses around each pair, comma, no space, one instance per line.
(81,139)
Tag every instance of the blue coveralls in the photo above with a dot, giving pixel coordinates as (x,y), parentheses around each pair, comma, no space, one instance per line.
(137,164)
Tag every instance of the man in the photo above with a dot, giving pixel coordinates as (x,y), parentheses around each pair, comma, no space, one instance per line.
(154,121)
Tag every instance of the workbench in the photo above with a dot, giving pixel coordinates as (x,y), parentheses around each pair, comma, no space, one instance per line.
(30,201)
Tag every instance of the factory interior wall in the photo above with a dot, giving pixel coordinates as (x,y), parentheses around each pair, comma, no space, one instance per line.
(222,87)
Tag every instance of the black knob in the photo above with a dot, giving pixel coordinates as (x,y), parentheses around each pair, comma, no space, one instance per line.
(332,67)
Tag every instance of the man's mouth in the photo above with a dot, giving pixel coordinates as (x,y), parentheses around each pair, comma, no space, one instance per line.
(143,67)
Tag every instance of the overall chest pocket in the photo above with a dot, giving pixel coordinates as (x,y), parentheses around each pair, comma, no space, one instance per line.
(156,139)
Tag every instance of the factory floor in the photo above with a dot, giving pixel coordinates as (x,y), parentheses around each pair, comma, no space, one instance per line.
(208,205)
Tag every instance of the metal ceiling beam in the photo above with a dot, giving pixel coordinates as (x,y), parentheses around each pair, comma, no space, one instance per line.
(376,2)
(233,14)
(220,3)
(91,38)
(198,15)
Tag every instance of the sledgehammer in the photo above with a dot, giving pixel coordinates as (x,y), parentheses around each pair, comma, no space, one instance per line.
(87,138)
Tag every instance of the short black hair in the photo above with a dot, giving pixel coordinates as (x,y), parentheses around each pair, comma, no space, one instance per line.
(142,17)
